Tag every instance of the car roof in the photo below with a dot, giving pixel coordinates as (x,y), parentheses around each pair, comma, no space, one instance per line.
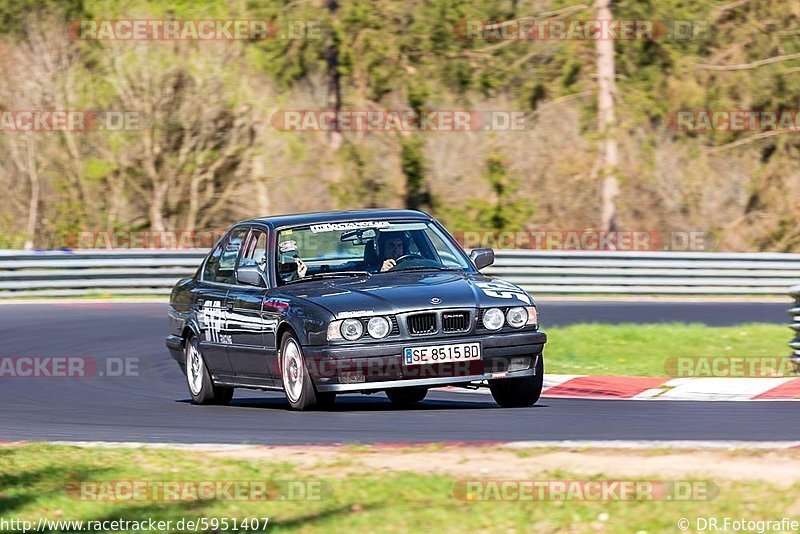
(302,219)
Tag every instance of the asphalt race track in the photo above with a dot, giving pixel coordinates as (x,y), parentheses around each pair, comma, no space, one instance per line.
(154,406)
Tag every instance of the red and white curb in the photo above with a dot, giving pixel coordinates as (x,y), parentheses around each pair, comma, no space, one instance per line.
(653,388)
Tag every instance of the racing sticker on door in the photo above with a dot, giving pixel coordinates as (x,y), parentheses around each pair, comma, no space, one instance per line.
(213,318)
(503,290)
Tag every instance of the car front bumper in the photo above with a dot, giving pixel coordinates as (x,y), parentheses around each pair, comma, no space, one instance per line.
(373,366)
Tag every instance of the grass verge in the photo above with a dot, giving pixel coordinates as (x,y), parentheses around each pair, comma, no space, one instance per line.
(35,479)
(643,349)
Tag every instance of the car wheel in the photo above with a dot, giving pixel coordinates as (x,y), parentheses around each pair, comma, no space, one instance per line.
(201,387)
(404,397)
(297,383)
(519,392)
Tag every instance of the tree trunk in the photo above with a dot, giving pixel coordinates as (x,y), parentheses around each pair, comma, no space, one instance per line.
(261,186)
(606,121)
(194,203)
(157,223)
(33,206)
(334,77)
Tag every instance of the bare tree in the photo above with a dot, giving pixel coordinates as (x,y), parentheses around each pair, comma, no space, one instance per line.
(607,120)
(193,144)
(48,61)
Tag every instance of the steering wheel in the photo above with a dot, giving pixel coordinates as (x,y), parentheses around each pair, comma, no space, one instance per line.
(408,257)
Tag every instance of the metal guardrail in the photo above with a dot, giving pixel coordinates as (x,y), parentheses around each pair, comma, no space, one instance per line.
(794,313)
(75,273)
(648,273)
(140,272)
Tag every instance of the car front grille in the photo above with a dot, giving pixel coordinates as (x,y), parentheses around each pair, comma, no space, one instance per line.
(421,324)
(457,321)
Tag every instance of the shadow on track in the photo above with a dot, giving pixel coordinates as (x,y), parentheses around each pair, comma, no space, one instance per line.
(366,403)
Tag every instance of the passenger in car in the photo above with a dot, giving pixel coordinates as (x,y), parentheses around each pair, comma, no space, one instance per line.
(290,266)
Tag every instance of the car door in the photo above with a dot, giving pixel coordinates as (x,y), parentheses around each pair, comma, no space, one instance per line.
(211,302)
(250,325)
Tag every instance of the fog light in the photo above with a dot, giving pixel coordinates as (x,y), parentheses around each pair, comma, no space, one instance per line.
(519,364)
(378,327)
(493,319)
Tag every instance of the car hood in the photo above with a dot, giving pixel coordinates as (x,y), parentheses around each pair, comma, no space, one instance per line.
(406,291)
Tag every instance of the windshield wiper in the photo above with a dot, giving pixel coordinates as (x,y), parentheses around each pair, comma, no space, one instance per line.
(330,274)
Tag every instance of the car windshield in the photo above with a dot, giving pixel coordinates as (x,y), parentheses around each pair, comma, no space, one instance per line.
(364,248)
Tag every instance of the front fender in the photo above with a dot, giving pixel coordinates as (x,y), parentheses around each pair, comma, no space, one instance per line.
(308,321)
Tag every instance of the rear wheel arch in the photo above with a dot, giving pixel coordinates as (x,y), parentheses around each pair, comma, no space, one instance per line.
(201,387)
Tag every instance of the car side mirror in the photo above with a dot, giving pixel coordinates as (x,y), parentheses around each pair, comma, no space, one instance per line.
(250,275)
(482,257)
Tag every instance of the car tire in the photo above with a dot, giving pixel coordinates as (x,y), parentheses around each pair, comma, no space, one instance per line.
(519,392)
(297,383)
(201,388)
(405,397)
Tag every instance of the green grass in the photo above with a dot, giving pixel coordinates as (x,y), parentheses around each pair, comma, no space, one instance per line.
(34,480)
(643,349)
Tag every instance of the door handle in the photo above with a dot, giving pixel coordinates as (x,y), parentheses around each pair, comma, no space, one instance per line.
(229,306)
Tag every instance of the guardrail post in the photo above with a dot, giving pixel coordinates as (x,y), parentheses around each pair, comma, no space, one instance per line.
(794,313)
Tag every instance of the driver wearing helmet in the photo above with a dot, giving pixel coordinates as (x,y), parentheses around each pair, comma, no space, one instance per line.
(391,246)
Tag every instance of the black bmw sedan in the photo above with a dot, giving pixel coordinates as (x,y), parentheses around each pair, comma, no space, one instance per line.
(354,301)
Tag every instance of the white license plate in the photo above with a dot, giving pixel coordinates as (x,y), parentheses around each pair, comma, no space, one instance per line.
(441,353)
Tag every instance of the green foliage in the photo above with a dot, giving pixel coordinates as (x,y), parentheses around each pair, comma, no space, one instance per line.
(96,169)
(504,210)
(15,14)
(396,55)
(362,188)
(418,196)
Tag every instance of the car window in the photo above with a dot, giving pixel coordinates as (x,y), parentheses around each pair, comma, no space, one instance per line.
(352,246)
(220,265)
(255,251)
(442,250)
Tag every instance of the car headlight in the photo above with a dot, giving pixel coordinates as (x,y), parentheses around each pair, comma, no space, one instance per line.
(378,327)
(352,329)
(517,317)
(493,319)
